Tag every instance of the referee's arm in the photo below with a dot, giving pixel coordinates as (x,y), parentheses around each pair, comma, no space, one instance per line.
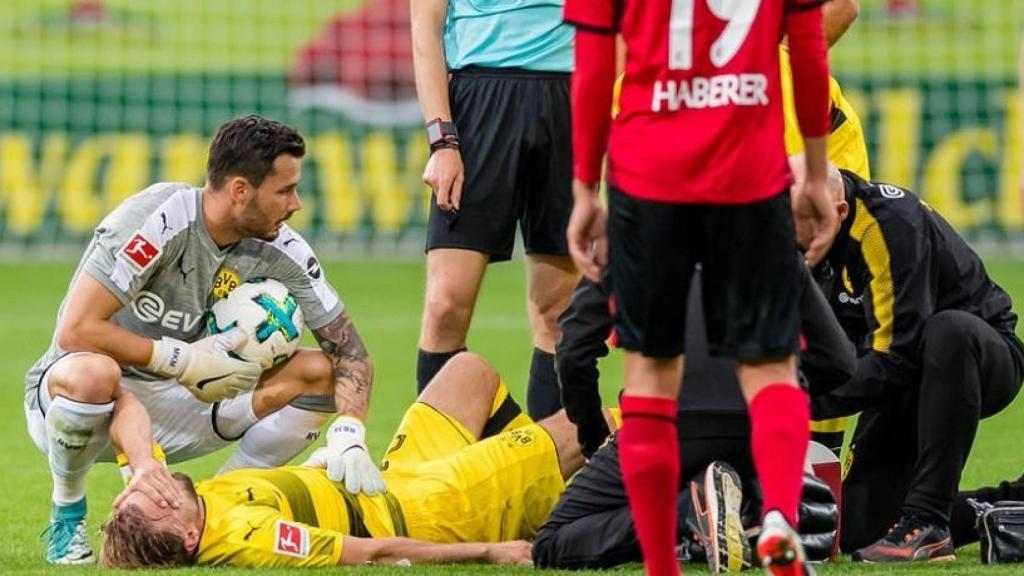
(444,172)
(585,326)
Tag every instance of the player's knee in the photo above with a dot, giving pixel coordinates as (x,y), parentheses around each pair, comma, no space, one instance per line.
(948,334)
(446,313)
(466,375)
(317,375)
(309,373)
(474,369)
(547,326)
(549,303)
(947,324)
(469,361)
(86,378)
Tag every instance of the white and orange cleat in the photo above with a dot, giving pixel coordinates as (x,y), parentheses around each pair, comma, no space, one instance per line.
(779,548)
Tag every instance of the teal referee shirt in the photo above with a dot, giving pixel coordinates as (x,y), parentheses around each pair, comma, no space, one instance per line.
(526,34)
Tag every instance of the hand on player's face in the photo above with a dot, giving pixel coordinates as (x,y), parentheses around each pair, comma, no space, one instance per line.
(163,519)
(152,480)
(445,174)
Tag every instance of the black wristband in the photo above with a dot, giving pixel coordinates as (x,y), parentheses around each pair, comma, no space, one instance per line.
(451,142)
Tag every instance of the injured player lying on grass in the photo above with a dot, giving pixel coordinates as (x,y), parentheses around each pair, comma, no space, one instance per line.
(469,477)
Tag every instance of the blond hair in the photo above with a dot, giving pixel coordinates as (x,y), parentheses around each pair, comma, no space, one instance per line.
(131,542)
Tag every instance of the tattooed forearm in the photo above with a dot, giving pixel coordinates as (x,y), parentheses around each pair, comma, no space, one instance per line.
(353,370)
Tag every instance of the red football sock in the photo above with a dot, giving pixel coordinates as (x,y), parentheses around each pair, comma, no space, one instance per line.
(779,431)
(649,456)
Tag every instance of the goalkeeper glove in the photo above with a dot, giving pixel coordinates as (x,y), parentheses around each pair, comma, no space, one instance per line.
(348,460)
(204,367)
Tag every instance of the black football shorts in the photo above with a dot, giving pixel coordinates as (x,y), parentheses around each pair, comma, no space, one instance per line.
(750,275)
(516,145)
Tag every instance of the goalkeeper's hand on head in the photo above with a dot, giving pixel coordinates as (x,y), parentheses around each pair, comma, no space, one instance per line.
(347,459)
(204,367)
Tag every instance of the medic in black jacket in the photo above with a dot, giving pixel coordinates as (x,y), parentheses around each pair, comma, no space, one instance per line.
(937,352)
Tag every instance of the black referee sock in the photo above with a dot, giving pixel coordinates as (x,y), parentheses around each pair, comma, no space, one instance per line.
(428,364)
(543,396)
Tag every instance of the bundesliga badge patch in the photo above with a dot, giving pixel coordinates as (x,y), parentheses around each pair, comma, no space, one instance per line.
(140,251)
(291,539)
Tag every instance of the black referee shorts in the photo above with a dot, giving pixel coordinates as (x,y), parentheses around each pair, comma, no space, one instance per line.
(516,145)
(750,275)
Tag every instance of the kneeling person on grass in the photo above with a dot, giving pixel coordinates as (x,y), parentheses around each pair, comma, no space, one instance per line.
(937,352)
(464,466)
(132,322)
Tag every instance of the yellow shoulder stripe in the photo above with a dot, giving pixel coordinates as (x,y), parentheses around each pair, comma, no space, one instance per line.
(830,426)
(866,231)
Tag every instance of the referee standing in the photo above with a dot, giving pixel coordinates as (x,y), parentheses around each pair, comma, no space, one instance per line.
(493,82)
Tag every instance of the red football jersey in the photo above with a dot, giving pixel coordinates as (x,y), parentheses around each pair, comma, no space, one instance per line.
(700,116)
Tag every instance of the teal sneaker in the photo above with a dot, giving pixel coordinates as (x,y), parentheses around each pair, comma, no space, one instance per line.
(67,540)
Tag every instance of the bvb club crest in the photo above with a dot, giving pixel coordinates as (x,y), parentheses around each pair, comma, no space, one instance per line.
(225,281)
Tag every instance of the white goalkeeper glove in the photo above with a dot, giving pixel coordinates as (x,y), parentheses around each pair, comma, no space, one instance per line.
(347,459)
(204,367)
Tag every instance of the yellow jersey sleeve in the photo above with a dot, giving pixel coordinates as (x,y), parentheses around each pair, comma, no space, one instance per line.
(259,537)
(846,146)
(617,93)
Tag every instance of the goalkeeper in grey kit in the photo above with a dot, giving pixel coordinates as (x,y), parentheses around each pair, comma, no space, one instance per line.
(131,325)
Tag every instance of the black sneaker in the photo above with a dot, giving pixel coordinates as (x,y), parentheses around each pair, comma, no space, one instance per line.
(912,538)
(716,502)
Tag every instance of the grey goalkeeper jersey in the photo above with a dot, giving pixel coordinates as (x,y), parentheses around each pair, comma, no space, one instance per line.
(154,254)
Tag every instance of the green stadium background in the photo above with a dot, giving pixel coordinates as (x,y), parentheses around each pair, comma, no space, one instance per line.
(99,98)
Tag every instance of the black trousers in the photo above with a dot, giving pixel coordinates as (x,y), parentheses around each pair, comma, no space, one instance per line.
(591,526)
(908,453)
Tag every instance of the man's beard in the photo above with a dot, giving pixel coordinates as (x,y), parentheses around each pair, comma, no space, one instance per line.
(255,225)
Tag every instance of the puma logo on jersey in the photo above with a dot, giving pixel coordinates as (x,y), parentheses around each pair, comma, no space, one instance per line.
(167,227)
(712,92)
(252,530)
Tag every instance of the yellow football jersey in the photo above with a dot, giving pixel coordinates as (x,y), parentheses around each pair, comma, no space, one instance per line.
(846,146)
(287,517)
(456,489)
(444,485)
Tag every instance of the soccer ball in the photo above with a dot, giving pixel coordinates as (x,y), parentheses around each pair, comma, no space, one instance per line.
(271,317)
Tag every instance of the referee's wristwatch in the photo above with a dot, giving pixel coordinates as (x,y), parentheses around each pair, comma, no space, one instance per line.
(441,134)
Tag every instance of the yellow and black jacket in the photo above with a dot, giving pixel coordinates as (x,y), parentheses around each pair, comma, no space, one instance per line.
(895,263)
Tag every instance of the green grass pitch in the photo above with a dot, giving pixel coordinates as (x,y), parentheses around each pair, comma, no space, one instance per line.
(385,300)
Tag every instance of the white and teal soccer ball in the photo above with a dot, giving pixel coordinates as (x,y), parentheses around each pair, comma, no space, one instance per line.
(268,313)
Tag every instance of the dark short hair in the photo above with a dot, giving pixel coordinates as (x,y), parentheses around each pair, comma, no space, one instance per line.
(247,147)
